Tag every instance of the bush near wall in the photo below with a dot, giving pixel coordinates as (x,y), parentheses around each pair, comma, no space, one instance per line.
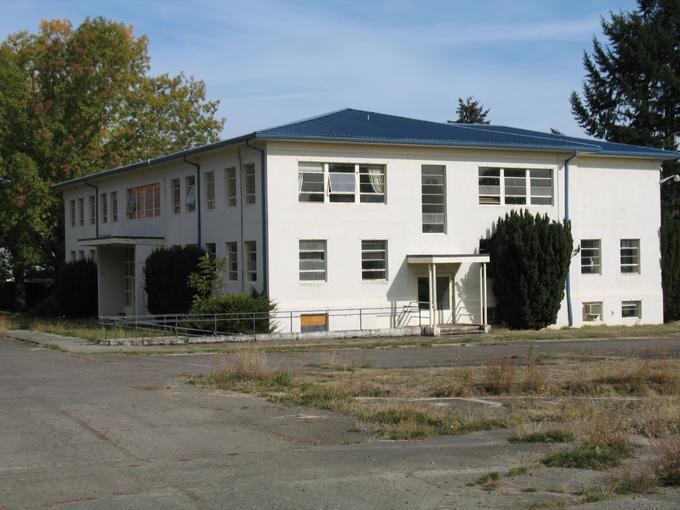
(530,257)
(670,265)
(75,289)
(166,277)
(250,313)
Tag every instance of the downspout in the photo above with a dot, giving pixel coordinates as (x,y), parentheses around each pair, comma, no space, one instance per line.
(96,208)
(241,248)
(198,199)
(265,235)
(570,311)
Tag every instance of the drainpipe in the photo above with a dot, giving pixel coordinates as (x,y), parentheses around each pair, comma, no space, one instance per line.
(241,248)
(265,244)
(198,198)
(570,311)
(96,208)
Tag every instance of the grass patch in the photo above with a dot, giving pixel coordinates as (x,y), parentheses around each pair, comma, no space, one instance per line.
(584,457)
(549,436)
(667,464)
(518,471)
(489,481)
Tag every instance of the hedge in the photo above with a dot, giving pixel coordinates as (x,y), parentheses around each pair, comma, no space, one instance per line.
(75,289)
(166,278)
(250,313)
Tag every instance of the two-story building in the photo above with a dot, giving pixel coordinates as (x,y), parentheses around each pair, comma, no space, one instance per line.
(359,209)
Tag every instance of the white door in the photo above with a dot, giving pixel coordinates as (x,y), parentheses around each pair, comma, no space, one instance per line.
(444,308)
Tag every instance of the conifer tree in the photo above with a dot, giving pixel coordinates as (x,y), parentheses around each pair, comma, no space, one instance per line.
(471,111)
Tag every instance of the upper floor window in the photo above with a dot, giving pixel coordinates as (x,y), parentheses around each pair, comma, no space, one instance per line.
(176,196)
(210,190)
(630,255)
(312,263)
(433,196)
(251,260)
(591,256)
(232,260)
(190,193)
(92,209)
(230,186)
(372,183)
(374,260)
(250,184)
(105,208)
(114,206)
(72,212)
(311,182)
(515,186)
(144,201)
(81,212)
(341,182)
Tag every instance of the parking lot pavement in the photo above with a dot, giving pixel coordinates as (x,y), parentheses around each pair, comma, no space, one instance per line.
(86,431)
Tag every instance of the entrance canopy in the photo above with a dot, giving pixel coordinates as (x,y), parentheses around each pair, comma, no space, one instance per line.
(122,241)
(446,259)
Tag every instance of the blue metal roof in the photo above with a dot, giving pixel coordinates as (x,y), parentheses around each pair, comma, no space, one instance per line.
(359,126)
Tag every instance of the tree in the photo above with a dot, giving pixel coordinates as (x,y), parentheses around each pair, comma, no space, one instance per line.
(670,269)
(554,131)
(471,111)
(530,257)
(166,278)
(78,100)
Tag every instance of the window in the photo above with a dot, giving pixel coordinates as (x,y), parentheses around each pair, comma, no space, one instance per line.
(630,255)
(72,205)
(251,261)
(73,255)
(211,250)
(232,261)
(105,208)
(591,256)
(631,309)
(129,263)
(312,263)
(372,183)
(190,190)
(81,212)
(541,186)
(176,196)
(341,182)
(310,323)
(81,254)
(250,184)
(91,203)
(230,186)
(210,190)
(144,201)
(433,193)
(114,206)
(311,182)
(512,186)
(93,255)
(592,312)
(374,260)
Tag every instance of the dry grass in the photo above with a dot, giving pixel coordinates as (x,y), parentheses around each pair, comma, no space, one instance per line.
(606,428)
(667,462)
(500,376)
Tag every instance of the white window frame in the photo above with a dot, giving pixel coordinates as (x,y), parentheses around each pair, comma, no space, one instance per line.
(105,208)
(249,181)
(114,206)
(230,186)
(590,313)
(176,195)
(592,253)
(211,250)
(210,190)
(367,255)
(630,267)
(72,205)
(636,306)
(250,255)
(326,193)
(428,226)
(92,208)
(81,211)
(231,250)
(129,277)
(532,177)
(190,193)
(307,249)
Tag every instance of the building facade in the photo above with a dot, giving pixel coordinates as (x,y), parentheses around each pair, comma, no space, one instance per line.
(361,210)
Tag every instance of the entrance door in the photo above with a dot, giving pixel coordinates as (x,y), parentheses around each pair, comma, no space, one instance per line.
(444,315)
(130,282)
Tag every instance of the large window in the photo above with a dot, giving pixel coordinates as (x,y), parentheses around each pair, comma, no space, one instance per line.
(341,182)
(105,208)
(312,263)
(251,192)
(190,193)
(114,206)
(374,260)
(592,311)
(230,186)
(631,309)
(251,261)
(630,255)
(591,256)
(92,209)
(144,201)
(72,212)
(81,212)
(232,260)
(176,196)
(433,193)
(515,186)
(210,190)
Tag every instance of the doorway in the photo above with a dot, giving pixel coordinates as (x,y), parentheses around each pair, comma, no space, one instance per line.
(444,313)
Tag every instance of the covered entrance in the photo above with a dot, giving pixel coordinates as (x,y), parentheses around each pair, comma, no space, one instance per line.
(437,294)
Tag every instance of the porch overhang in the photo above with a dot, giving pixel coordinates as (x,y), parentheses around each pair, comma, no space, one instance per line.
(447,259)
(123,241)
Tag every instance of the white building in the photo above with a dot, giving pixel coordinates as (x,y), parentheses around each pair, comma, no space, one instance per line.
(356,209)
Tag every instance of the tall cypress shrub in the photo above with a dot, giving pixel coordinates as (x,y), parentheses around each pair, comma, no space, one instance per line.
(670,268)
(530,257)
(166,277)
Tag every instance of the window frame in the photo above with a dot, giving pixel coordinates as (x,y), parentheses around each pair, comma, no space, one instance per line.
(367,271)
(81,211)
(326,195)
(190,193)
(211,250)
(248,180)
(92,208)
(144,201)
(309,250)
(637,303)
(531,175)
(105,208)
(72,212)
(597,256)
(176,195)
(230,186)
(114,206)
(433,204)
(250,248)
(209,180)
(232,260)
(636,266)
(586,305)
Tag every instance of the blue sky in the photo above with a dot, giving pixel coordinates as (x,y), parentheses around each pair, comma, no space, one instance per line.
(270,62)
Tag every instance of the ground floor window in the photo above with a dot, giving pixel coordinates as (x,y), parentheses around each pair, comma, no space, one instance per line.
(251,261)
(374,260)
(129,263)
(232,261)
(592,311)
(312,261)
(631,309)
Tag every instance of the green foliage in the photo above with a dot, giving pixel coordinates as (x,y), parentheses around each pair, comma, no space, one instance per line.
(530,257)
(75,100)
(670,269)
(75,288)
(247,314)
(471,111)
(206,281)
(584,457)
(166,276)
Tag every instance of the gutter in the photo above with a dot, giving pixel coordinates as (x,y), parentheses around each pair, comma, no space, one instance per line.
(570,311)
(265,233)
(198,199)
(96,207)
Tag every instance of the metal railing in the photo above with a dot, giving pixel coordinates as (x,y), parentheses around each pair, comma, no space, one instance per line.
(277,321)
